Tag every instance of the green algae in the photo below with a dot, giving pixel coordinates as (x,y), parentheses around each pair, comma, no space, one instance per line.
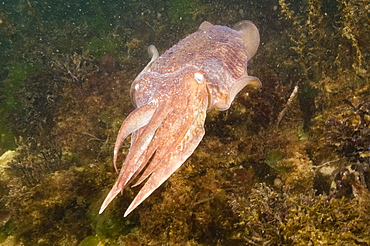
(99,46)
(90,241)
(283,219)
(9,105)
(15,80)
(273,158)
(183,11)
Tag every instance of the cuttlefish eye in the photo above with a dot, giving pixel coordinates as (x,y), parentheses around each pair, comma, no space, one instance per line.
(199,77)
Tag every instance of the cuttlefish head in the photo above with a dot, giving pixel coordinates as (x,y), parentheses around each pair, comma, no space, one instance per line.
(165,129)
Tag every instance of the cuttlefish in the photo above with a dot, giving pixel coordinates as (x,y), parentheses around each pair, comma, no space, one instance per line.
(172,95)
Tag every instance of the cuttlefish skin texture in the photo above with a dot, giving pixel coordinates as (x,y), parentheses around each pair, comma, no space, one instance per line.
(172,94)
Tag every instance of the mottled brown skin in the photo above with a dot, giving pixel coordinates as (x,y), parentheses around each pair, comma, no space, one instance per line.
(218,52)
(172,94)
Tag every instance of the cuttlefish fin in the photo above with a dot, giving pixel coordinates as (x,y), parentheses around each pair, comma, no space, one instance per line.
(244,81)
(250,82)
(136,119)
(204,25)
(154,54)
(251,37)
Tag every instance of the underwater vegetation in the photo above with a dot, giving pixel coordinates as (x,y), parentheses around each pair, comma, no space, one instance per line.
(285,165)
(9,104)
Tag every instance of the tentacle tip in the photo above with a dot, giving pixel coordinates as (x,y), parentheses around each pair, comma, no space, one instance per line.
(102,209)
(115,167)
(130,208)
(128,211)
(104,205)
(111,195)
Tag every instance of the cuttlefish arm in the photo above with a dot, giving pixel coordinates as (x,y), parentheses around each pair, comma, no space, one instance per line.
(140,116)
(136,119)
(169,138)
(177,138)
(130,166)
(159,170)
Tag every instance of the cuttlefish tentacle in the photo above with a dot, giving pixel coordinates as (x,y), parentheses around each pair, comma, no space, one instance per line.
(164,134)
(159,170)
(140,146)
(145,157)
(163,171)
(136,119)
(173,137)
(130,166)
